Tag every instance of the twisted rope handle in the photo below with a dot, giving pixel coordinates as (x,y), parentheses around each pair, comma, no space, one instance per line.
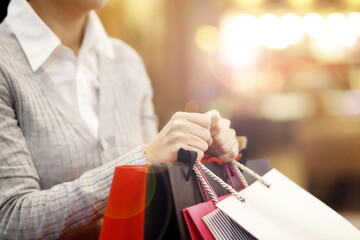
(251,173)
(228,174)
(239,174)
(220,181)
(204,183)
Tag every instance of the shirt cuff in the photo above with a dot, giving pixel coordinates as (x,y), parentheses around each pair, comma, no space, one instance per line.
(135,156)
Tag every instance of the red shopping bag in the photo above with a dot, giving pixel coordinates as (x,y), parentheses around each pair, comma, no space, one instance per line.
(193,217)
(125,211)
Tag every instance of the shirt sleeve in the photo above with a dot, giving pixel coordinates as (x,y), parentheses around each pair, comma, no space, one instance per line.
(26,211)
(149,118)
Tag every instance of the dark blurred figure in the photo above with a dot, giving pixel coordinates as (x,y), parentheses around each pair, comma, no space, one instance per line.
(3,9)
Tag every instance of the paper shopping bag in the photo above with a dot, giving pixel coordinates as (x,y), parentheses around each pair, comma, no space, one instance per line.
(286,211)
(124,215)
(193,215)
(222,227)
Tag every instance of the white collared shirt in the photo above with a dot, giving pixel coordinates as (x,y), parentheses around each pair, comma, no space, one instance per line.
(75,77)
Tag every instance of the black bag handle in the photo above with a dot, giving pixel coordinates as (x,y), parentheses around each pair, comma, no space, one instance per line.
(188,157)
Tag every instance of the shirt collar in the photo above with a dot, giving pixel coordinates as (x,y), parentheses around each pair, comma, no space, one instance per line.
(38,41)
(95,35)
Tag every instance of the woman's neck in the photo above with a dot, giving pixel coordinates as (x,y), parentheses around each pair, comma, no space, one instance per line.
(67,24)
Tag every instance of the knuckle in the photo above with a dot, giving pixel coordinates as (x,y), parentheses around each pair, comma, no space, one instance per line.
(221,141)
(203,146)
(178,125)
(226,148)
(207,120)
(177,115)
(207,135)
(226,122)
(216,129)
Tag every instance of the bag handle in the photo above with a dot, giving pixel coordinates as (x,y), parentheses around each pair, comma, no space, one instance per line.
(242,140)
(238,175)
(199,166)
(243,168)
(206,188)
(231,171)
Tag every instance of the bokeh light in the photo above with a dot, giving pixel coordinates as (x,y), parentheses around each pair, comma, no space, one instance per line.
(192,106)
(206,38)
(289,106)
(271,32)
(293,28)
(238,40)
(315,25)
(354,22)
(340,30)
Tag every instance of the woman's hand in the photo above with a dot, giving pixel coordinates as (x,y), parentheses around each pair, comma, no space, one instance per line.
(224,143)
(190,131)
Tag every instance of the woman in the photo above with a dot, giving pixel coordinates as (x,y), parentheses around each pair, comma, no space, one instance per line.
(73,105)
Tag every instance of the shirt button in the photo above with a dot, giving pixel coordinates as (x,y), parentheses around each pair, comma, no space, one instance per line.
(104,145)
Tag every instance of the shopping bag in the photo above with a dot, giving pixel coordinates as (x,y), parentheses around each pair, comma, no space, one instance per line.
(224,228)
(193,218)
(124,215)
(193,215)
(145,202)
(170,194)
(216,223)
(284,210)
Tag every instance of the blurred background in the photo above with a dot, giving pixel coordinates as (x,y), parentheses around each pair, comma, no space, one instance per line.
(286,72)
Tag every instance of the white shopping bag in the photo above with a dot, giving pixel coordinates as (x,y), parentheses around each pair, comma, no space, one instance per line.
(286,211)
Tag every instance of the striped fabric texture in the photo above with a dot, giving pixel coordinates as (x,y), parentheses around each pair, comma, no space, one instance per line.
(224,228)
(55,176)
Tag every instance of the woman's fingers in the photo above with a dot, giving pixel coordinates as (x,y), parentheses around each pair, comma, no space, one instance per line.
(231,154)
(190,131)
(224,145)
(200,119)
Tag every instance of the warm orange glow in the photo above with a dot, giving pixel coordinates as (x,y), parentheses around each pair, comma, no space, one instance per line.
(192,106)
